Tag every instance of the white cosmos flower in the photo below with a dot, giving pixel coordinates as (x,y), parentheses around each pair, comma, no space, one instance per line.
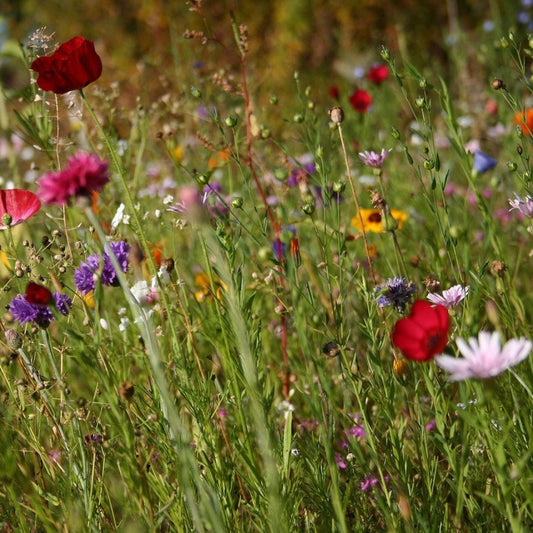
(484,357)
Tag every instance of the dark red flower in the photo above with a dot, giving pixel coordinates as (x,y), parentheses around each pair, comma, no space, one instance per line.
(72,66)
(17,205)
(378,73)
(424,333)
(37,294)
(360,100)
(334,92)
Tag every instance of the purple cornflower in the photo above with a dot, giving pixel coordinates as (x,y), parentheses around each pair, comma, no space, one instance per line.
(451,297)
(524,206)
(301,173)
(483,162)
(286,237)
(84,275)
(24,311)
(373,159)
(396,291)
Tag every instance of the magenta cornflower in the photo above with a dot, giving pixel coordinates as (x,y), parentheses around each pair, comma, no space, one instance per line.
(373,159)
(451,297)
(84,174)
(524,206)
(484,357)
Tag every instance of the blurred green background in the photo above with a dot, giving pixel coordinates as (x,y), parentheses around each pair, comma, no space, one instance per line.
(142,40)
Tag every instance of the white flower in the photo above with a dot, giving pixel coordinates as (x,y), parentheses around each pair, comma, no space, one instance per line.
(124,323)
(103,323)
(450,298)
(484,357)
(120,217)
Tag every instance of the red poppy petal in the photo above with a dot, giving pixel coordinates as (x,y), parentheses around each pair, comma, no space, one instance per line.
(37,294)
(18,203)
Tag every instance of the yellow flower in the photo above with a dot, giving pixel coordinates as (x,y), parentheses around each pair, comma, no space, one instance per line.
(89,299)
(372,219)
(202,280)
(177,154)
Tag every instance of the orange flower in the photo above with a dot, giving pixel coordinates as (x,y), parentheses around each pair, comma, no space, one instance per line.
(372,219)
(524,119)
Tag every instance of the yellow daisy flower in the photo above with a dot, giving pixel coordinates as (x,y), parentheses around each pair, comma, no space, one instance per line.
(372,219)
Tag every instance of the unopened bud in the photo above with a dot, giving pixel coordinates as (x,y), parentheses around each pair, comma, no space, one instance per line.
(237,202)
(497,84)
(336,114)
(7,219)
(13,339)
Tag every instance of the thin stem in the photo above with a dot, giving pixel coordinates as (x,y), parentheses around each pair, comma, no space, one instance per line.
(357,205)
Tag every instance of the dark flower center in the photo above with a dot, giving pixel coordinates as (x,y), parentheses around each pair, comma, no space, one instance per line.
(375,217)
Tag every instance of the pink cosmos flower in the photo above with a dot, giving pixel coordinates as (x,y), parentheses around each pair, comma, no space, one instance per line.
(17,205)
(451,297)
(372,159)
(84,174)
(484,357)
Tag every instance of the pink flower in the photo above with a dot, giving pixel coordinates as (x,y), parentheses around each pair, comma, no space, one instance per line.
(484,357)
(372,159)
(525,206)
(84,174)
(450,298)
(16,206)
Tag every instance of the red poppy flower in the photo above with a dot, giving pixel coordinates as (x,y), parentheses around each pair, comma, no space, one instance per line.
(17,204)
(424,333)
(37,294)
(334,92)
(360,100)
(378,73)
(72,66)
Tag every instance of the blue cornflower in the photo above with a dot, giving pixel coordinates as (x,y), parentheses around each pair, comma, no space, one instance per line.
(84,274)
(396,291)
(483,162)
(24,311)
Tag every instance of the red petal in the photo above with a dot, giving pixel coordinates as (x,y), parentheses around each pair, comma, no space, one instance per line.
(37,294)
(18,203)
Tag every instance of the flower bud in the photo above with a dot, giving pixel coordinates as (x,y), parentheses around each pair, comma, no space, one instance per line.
(519,149)
(511,165)
(196,93)
(7,219)
(265,133)
(298,118)
(339,187)
(281,174)
(308,208)
(428,164)
(274,99)
(237,202)
(385,54)
(336,114)
(13,339)
(231,121)
(497,84)
(395,133)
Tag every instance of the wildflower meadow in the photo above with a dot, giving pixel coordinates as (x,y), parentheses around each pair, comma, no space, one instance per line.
(266,267)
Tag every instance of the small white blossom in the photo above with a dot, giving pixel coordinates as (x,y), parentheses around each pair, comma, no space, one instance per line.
(120,217)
